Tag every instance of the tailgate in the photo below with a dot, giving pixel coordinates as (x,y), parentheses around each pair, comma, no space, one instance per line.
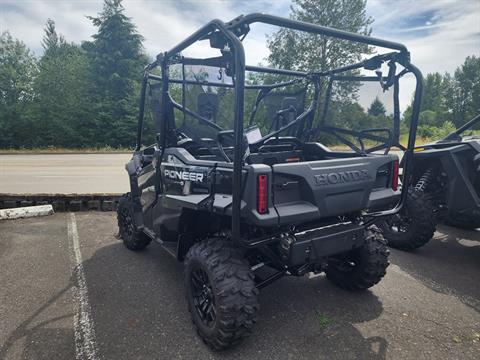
(317,189)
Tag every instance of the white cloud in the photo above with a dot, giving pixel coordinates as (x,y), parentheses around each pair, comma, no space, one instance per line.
(26,19)
(454,33)
(162,23)
(441,46)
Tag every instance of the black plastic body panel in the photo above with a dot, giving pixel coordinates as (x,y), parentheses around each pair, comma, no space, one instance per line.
(462,195)
(298,192)
(311,246)
(318,189)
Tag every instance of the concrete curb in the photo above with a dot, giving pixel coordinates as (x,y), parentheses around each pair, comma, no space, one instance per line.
(62,202)
(26,212)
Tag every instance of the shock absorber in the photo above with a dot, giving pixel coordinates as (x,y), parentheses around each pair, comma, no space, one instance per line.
(425,179)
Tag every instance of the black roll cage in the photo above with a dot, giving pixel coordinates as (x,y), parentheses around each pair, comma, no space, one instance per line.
(228,38)
(463,128)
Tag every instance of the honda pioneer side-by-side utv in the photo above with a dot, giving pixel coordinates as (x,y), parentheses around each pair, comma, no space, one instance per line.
(238,187)
(445,186)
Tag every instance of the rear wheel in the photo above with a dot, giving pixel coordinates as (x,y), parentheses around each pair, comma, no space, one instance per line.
(360,268)
(221,293)
(465,222)
(413,226)
(132,239)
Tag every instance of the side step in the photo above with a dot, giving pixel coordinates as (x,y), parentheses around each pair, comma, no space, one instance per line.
(168,246)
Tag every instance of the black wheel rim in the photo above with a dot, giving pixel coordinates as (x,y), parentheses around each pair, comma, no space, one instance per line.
(399,223)
(203,298)
(126,222)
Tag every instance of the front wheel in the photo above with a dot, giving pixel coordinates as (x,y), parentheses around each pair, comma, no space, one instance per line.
(132,239)
(221,293)
(361,268)
(413,226)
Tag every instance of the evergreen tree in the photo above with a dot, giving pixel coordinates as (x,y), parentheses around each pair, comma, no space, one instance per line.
(61,104)
(377,108)
(51,40)
(117,60)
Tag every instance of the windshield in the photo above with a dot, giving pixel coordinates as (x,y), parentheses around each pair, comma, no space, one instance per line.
(347,113)
(204,99)
(208,95)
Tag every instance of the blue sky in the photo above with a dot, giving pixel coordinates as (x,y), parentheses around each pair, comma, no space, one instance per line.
(438,33)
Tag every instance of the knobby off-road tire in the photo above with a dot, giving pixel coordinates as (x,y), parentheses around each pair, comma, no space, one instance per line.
(132,239)
(363,267)
(221,293)
(414,226)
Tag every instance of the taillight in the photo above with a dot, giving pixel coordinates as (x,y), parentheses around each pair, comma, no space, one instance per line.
(262,194)
(395,176)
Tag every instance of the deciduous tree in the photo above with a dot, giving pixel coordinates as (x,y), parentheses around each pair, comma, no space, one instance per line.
(296,50)
(18,70)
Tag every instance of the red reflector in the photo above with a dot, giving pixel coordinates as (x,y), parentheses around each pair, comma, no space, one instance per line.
(262,194)
(395,176)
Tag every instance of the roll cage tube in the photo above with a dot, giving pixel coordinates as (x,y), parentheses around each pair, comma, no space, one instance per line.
(239,87)
(141,111)
(460,130)
(239,27)
(238,23)
(408,154)
(195,115)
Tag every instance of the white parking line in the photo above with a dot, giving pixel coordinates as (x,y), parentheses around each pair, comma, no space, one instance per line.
(85,341)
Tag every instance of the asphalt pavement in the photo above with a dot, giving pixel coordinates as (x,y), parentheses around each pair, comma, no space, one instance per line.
(63,173)
(69,289)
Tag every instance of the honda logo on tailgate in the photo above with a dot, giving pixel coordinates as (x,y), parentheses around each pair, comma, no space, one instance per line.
(341,177)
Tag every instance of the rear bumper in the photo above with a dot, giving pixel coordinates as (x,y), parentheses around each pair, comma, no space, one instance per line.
(313,245)
(383,199)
